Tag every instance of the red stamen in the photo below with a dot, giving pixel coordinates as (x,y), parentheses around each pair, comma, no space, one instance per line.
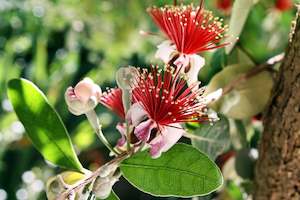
(191,29)
(112,99)
(167,98)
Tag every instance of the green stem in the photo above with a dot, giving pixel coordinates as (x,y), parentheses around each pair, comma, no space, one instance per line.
(94,121)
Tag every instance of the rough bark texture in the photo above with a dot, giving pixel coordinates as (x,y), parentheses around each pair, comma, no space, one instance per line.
(278,167)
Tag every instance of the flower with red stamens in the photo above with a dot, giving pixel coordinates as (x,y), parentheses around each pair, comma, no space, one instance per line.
(284,5)
(190,30)
(112,99)
(162,101)
(224,5)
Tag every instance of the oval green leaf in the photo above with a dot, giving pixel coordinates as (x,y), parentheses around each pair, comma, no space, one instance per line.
(240,11)
(183,171)
(248,98)
(213,139)
(42,124)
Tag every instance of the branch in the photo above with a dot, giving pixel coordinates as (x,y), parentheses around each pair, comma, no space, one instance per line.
(80,184)
(253,72)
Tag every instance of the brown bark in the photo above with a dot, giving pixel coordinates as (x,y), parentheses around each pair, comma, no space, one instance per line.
(278,167)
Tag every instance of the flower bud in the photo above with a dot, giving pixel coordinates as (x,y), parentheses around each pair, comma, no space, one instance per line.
(83,98)
(125,76)
(60,183)
(55,187)
(102,187)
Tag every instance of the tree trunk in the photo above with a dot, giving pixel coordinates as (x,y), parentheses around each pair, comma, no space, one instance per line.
(278,167)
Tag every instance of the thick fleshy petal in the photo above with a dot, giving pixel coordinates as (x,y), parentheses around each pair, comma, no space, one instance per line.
(121,127)
(76,106)
(196,63)
(136,114)
(85,89)
(213,96)
(166,139)
(182,61)
(165,51)
(143,130)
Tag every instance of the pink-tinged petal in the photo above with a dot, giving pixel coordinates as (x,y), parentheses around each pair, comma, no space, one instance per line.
(85,89)
(156,146)
(165,51)
(136,114)
(196,63)
(164,141)
(182,61)
(143,130)
(213,96)
(121,127)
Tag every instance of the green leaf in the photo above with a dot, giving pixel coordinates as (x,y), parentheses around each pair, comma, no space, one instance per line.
(248,98)
(43,125)
(183,171)
(240,11)
(213,139)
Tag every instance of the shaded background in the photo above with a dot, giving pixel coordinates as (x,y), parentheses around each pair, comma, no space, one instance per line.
(57,43)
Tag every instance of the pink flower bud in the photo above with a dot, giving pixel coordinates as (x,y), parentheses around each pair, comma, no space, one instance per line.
(86,89)
(84,97)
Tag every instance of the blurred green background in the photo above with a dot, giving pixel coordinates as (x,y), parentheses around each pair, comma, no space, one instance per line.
(57,43)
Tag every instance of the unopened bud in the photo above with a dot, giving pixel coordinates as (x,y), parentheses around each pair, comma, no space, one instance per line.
(102,187)
(60,183)
(84,97)
(125,76)
(55,187)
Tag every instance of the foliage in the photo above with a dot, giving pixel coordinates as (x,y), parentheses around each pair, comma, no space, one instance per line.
(55,43)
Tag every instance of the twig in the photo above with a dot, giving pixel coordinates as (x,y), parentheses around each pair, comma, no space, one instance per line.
(252,72)
(76,187)
(94,121)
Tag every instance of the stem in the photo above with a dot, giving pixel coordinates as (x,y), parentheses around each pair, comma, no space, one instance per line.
(251,73)
(94,121)
(76,187)
(126,100)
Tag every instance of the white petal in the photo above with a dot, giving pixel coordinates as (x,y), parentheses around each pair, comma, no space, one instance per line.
(143,130)
(196,63)
(164,141)
(213,96)
(165,51)
(182,61)
(136,114)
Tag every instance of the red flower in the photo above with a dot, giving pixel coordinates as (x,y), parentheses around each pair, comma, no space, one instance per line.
(283,5)
(167,99)
(191,29)
(112,99)
(224,5)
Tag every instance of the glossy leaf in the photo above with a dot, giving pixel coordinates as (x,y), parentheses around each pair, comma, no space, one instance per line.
(43,125)
(183,171)
(240,11)
(213,139)
(248,98)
